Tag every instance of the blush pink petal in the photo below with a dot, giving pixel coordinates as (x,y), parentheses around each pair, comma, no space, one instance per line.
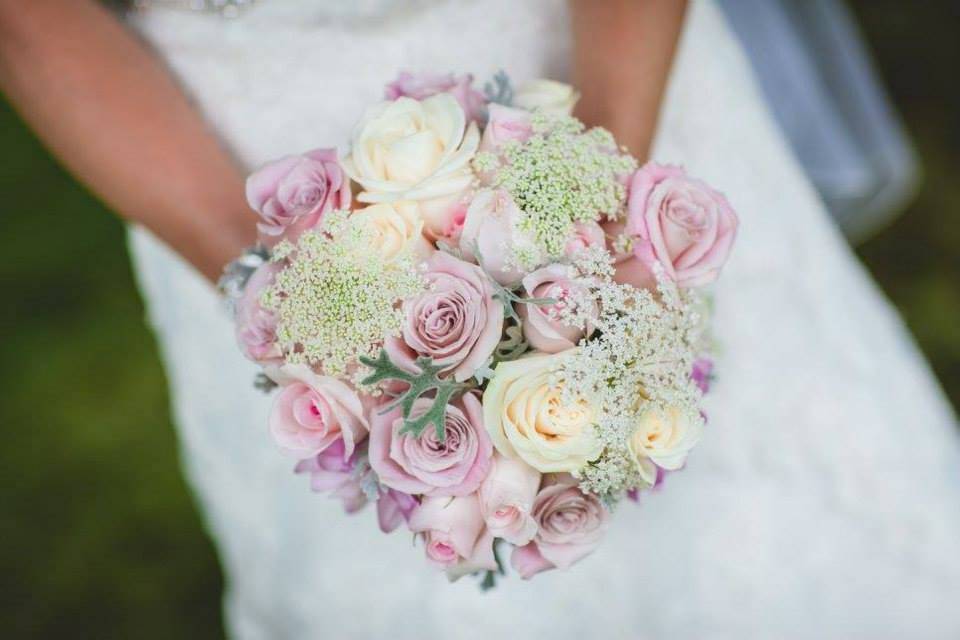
(424,85)
(255,326)
(491,232)
(506,499)
(393,509)
(331,472)
(543,332)
(585,235)
(262,184)
(655,247)
(641,183)
(456,322)
(505,124)
(382,428)
(679,222)
(343,417)
(292,194)
(704,245)
(482,558)
(528,562)
(571,523)
(459,524)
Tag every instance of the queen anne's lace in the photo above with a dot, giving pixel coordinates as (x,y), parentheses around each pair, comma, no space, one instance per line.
(640,359)
(336,300)
(562,175)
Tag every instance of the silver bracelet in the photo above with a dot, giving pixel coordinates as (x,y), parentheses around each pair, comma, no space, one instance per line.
(238,271)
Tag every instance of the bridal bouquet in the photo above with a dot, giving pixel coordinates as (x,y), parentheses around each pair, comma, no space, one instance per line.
(484,317)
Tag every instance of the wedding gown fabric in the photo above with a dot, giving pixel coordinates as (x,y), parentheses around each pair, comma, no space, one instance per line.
(824,499)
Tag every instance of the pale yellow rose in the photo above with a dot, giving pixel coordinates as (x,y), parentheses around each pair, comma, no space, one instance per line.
(394,228)
(527,418)
(549,96)
(664,436)
(409,149)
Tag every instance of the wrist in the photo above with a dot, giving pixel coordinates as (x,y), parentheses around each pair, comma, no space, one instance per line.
(633,126)
(227,239)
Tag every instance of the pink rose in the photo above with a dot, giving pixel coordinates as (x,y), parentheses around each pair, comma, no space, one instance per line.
(571,525)
(678,222)
(424,465)
(332,470)
(292,194)
(424,85)
(455,536)
(255,326)
(443,217)
(542,325)
(506,499)
(586,235)
(456,321)
(313,411)
(628,270)
(505,124)
(491,235)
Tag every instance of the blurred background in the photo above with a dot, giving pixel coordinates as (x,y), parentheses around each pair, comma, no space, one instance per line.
(101,537)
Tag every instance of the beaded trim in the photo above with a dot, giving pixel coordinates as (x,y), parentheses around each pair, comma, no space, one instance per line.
(225,8)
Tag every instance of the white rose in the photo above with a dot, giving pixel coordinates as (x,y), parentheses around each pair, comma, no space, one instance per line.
(409,149)
(395,228)
(549,96)
(665,437)
(527,418)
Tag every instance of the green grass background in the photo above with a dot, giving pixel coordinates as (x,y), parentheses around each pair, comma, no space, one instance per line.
(99,536)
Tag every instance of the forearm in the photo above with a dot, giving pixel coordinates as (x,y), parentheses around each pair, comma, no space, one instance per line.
(623,51)
(108,109)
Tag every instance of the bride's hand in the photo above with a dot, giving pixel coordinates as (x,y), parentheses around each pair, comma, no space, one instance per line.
(110,111)
(623,50)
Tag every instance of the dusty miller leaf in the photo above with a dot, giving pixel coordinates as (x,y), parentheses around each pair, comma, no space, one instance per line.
(484,371)
(512,346)
(499,89)
(505,294)
(418,384)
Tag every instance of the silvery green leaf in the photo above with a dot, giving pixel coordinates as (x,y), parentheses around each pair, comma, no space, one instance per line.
(426,381)
(263,382)
(499,89)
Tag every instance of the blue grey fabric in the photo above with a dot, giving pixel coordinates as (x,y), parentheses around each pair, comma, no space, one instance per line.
(816,73)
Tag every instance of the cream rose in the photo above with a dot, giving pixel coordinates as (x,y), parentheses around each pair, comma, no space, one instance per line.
(664,436)
(396,227)
(549,96)
(527,418)
(413,150)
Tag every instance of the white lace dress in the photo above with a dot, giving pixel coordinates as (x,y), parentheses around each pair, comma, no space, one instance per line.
(824,500)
